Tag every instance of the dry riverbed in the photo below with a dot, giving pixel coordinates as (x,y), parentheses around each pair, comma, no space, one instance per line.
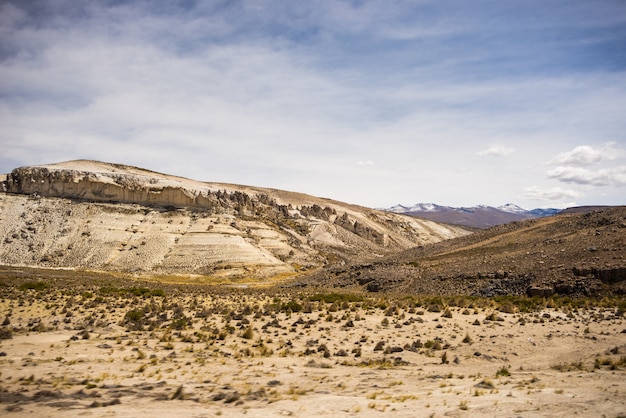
(141,350)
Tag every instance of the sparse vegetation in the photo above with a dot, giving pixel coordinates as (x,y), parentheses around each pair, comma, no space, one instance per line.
(233,342)
(503,371)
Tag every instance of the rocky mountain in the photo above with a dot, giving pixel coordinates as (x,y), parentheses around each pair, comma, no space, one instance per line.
(99,216)
(578,253)
(474,217)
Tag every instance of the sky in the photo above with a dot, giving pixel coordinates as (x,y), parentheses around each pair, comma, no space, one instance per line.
(374,103)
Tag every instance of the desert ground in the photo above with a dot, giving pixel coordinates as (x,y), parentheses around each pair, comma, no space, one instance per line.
(102,346)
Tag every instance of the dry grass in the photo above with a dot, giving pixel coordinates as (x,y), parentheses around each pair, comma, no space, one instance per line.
(236,351)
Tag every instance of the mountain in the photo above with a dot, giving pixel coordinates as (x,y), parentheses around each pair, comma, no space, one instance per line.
(473,217)
(578,253)
(93,215)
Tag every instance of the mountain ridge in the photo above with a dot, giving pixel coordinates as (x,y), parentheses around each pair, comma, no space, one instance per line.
(479,216)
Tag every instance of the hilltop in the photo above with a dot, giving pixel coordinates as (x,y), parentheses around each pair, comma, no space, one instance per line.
(99,216)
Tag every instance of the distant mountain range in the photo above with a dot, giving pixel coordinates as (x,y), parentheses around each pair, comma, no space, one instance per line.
(480,216)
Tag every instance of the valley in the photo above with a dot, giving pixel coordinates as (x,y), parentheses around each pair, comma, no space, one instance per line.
(130,293)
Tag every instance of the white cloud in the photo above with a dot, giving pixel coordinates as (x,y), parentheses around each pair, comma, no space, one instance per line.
(299,95)
(588,165)
(614,176)
(497,151)
(551,194)
(584,155)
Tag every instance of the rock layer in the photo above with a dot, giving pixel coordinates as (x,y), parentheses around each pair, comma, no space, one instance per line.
(93,215)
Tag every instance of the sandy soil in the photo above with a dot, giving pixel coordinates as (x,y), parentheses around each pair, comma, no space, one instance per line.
(237,354)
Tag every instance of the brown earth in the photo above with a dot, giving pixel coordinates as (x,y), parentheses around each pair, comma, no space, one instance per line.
(579,254)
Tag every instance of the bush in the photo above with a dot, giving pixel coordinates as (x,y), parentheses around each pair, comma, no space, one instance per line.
(434,307)
(248,334)
(503,371)
(292,306)
(140,291)
(39,285)
(133,320)
(134,316)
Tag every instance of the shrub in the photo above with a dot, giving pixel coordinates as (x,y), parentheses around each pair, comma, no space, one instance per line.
(434,308)
(133,320)
(503,371)
(39,285)
(292,306)
(248,334)
(180,323)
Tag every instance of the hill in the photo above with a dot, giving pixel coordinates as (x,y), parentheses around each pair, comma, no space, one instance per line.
(577,254)
(99,216)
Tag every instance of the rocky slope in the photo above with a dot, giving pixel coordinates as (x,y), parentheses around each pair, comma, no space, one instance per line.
(578,253)
(99,216)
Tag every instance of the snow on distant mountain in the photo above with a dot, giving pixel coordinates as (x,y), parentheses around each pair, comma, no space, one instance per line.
(512,208)
(419,207)
(398,209)
(480,216)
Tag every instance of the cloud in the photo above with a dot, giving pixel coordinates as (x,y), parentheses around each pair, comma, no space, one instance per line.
(496,151)
(552,194)
(588,166)
(585,155)
(615,176)
(299,95)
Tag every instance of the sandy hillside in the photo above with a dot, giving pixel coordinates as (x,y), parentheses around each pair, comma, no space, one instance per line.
(101,216)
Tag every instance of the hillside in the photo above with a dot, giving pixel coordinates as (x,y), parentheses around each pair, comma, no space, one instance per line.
(99,216)
(583,253)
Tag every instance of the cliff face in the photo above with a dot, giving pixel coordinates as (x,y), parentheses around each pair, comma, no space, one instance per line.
(92,215)
(113,184)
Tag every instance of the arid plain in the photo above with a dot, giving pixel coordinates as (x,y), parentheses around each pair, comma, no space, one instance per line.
(104,346)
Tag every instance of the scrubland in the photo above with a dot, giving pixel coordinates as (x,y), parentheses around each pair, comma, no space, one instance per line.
(89,345)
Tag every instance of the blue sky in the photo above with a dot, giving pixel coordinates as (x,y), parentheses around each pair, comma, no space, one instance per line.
(369,102)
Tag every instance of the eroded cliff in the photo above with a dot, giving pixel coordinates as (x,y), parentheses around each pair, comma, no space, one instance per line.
(93,215)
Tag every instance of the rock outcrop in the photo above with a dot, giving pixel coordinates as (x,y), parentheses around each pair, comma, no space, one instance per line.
(93,215)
